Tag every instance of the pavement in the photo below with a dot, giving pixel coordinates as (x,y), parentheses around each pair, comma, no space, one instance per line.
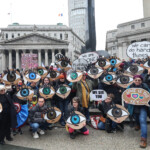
(58,139)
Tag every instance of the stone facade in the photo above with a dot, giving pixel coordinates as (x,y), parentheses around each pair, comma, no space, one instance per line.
(44,40)
(118,40)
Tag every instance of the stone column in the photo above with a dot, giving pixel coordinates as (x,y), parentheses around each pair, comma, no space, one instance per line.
(66,52)
(3,60)
(31,51)
(39,57)
(10,59)
(46,57)
(60,51)
(53,55)
(17,59)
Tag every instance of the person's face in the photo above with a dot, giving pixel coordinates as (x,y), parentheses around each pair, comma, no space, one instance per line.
(2,91)
(33,84)
(62,80)
(41,102)
(84,77)
(75,104)
(46,81)
(108,100)
(137,81)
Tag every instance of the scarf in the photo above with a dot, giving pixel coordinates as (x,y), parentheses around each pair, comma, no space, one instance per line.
(85,94)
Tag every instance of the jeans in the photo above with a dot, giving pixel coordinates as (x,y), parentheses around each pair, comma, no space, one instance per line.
(86,113)
(141,119)
(63,106)
(36,126)
(101,125)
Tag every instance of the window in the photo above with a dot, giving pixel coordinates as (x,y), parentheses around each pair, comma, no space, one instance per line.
(6,36)
(12,35)
(133,41)
(61,36)
(143,39)
(18,34)
(66,36)
(132,26)
(143,24)
(55,35)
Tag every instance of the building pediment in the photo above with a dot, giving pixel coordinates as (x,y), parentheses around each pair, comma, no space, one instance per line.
(34,39)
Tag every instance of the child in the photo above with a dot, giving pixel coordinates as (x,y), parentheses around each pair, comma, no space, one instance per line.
(76,107)
(104,107)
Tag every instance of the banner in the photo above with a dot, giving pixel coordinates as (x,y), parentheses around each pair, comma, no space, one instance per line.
(29,61)
(97,95)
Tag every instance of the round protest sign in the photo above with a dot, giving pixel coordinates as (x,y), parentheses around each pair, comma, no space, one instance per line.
(139,50)
(97,95)
(91,57)
(79,64)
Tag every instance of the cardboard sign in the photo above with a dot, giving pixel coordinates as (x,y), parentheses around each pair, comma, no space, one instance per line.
(91,57)
(76,121)
(97,95)
(136,96)
(80,64)
(118,113)
(139,50)
(74,76)
(53,115)
(124,80)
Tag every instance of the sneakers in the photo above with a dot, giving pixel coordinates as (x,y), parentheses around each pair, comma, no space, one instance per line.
(35,135)
(143,143)
(41,132)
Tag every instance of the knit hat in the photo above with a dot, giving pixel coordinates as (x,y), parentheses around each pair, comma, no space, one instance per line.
(138,76)
(61,76)
(121,65)
(2,87)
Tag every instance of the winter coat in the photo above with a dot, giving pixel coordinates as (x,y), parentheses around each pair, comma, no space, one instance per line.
(77,86)
(35,114)
(12,111)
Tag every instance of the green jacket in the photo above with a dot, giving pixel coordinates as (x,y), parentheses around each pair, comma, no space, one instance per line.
(77,86)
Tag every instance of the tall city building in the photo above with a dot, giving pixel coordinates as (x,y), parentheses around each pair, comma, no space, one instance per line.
(82,21)
(146,8)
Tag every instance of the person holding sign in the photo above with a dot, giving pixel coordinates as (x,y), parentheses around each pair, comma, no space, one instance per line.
(83,89)
(139,112)
(106,123)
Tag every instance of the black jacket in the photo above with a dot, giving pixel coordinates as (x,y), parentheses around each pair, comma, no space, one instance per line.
(12,111)
(35,114)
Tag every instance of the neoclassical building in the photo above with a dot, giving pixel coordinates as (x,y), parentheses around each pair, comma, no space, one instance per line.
(118,40)
(43,40)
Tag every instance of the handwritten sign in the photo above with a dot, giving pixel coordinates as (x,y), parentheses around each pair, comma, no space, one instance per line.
(79,64)
(97,95)
(136,96)
(91,57)
(139,50)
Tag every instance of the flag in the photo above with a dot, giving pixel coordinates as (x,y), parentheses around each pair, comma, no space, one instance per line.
(60,15)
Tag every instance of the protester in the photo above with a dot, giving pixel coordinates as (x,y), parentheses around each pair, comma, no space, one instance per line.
(8,118)
(76,107)
(36,121)
(83,89)
(139,112)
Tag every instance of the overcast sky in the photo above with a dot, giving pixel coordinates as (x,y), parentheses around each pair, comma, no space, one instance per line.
(109,13)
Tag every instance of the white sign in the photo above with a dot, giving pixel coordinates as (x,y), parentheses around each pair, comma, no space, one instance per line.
(91,57)
(79,64)
(97,95)
(139,50)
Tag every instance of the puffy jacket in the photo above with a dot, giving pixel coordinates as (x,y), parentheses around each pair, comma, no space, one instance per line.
(35,114)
